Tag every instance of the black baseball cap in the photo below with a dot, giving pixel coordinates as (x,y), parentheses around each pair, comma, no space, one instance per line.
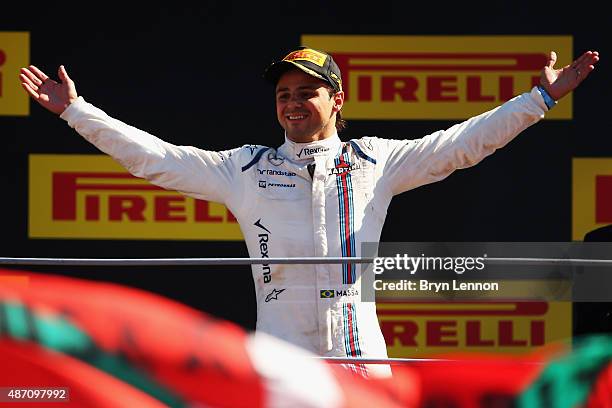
(319,64)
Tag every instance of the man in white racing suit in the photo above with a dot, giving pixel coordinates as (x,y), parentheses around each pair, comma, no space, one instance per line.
(315,195)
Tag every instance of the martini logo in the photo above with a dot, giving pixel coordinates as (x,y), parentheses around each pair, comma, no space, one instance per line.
(455,77)
(591,195)
(342,168)
(74,196)
(14,54)
(420,328)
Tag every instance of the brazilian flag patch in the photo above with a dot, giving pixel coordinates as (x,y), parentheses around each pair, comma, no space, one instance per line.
(327,293)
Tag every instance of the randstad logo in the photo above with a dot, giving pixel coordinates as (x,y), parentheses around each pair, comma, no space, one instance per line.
(308,151)
(274,172)
(327,294)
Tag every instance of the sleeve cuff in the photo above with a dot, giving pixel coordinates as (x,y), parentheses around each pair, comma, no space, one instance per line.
(548,100)
(72,110)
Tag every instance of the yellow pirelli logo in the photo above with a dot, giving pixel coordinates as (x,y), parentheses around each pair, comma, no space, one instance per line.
(14,54)
(307,55)
(591,195)
(91,196)
(439,77)
(413,329)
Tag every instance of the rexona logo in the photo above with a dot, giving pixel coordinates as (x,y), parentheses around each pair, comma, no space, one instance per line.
(310,151)
(264,238)
(14,54)
(591,195)
(91,196)
(439,77)
(424,328)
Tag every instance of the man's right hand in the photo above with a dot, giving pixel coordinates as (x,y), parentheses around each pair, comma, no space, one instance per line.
(52,95)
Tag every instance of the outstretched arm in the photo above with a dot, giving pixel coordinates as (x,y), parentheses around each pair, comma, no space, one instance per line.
(195,172)
(53,96)
(434,157)
(560,82)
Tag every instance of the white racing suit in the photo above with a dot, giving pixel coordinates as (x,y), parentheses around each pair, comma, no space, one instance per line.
(284,211)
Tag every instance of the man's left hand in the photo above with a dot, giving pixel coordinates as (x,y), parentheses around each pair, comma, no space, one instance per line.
(560,82)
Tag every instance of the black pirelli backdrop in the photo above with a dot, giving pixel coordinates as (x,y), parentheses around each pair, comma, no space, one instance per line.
(193,77)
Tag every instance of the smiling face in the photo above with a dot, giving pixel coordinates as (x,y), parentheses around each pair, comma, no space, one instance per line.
(304,107)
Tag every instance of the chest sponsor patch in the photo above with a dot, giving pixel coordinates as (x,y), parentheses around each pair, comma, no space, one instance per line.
(274,159)
(311,151)
(274,294)
(331,293)
(343,168)
(275,172)
(271,184)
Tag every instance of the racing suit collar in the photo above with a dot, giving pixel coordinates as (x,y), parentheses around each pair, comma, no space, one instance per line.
(307,151)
